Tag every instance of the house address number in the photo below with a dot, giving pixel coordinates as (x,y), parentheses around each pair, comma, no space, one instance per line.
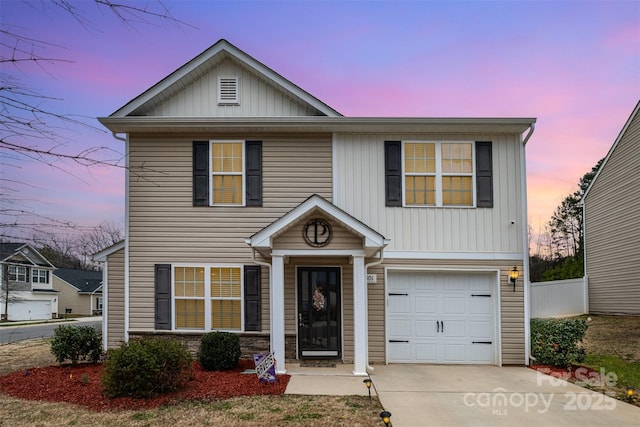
(372,278)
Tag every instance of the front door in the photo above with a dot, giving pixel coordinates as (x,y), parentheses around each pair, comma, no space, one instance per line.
(319,312)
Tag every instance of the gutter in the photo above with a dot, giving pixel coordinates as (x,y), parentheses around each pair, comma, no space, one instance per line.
(525,248)
(366,268)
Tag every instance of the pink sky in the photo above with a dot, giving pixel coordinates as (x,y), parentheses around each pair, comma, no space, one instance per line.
(575,66)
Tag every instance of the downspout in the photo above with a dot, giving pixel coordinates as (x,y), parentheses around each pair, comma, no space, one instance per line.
(366,269)
(525,248)
(126,237)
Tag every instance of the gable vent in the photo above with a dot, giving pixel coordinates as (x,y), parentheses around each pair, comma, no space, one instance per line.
(228,90)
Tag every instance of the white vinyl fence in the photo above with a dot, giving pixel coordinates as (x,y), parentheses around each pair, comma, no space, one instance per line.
(559,298)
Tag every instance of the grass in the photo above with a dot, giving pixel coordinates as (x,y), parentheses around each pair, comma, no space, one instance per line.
(627,372)
(247,411)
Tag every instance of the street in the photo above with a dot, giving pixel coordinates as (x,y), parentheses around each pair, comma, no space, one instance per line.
(10,334)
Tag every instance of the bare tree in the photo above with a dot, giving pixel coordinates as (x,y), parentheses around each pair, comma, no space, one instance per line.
(32,128)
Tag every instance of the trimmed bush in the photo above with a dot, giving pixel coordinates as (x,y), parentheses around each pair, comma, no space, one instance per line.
(557,342)
(219,351)
(76,343)
(146,367)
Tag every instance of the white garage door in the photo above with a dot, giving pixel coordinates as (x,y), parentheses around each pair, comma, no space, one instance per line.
(441,317)
(30,310)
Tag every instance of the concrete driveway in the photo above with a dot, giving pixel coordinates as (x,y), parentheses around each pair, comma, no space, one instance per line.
(438,395)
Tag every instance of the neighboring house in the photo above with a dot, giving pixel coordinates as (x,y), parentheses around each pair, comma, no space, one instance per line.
(612,226)
(253,207)
(80,291)
(26,291)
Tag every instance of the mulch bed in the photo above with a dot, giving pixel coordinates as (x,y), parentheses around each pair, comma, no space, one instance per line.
(80,384)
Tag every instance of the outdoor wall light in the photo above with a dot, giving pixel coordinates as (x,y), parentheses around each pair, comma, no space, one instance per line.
(513,276)
(630,392)
(367,382)
(386,418)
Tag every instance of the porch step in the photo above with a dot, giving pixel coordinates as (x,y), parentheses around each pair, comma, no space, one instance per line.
(307,363)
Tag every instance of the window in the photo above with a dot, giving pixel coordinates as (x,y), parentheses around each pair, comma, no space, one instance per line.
(208,297)
(39,276)
(227,173)
(17,273)
(438,173)
(99,303)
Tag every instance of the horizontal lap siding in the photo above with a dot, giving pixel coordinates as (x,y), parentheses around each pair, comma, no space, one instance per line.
(426,228)
(511,305)
(164,227)
(612,229)
(115,299)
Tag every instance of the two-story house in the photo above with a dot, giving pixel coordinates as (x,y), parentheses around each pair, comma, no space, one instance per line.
(26,291)
(253,207)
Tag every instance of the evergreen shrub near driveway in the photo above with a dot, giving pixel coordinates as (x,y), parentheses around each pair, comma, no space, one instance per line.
(146,367)
(557,342)
(219,351)
(76,343)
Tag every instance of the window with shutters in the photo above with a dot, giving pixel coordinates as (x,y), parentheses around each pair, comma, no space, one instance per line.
(208,297)
(228,92)
(438,173)
(227,173)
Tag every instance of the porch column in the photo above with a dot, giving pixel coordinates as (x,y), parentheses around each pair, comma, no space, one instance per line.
(277,311)
(360,339)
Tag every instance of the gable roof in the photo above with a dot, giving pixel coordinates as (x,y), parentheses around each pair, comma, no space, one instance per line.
(85,281)
(633,115)
(23,252)
(264,238)
(103,254)
(195,68)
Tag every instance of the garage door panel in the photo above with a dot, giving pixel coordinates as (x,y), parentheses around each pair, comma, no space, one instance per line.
(440,316)
(454,328)
(400,304)
(426,352)
(456,353)
(425,304)
(400,352)
(425,329)
(482,305)
(400,328)
(454,305)
(479,329)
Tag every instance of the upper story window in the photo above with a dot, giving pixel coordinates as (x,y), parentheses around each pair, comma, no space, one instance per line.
(18,273)
(39,276)
(227,173)
(438,173)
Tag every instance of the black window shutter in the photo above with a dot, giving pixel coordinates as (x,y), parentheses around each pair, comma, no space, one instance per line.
(252,294)
(253,163)
(200,173)
(484,175)
(393,173)
(163,296)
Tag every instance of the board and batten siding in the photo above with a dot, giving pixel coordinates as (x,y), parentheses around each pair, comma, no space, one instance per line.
(257,97)
(115,299)
(612,229)
(165,227)
(431,229)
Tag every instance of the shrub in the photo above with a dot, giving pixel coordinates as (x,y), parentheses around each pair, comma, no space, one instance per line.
(556,342)
(219,351)
(146,367)
(76,343)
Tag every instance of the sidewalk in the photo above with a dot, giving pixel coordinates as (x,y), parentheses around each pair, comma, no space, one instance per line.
(49,321)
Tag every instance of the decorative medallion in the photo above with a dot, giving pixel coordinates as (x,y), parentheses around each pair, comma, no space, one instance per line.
(317,233)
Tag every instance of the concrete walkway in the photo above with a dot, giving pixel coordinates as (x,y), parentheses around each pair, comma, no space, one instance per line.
(439,395)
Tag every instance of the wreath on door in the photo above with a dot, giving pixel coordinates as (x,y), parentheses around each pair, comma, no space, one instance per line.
(319,301)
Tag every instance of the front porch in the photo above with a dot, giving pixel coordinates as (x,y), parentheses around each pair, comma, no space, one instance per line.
(328,315)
